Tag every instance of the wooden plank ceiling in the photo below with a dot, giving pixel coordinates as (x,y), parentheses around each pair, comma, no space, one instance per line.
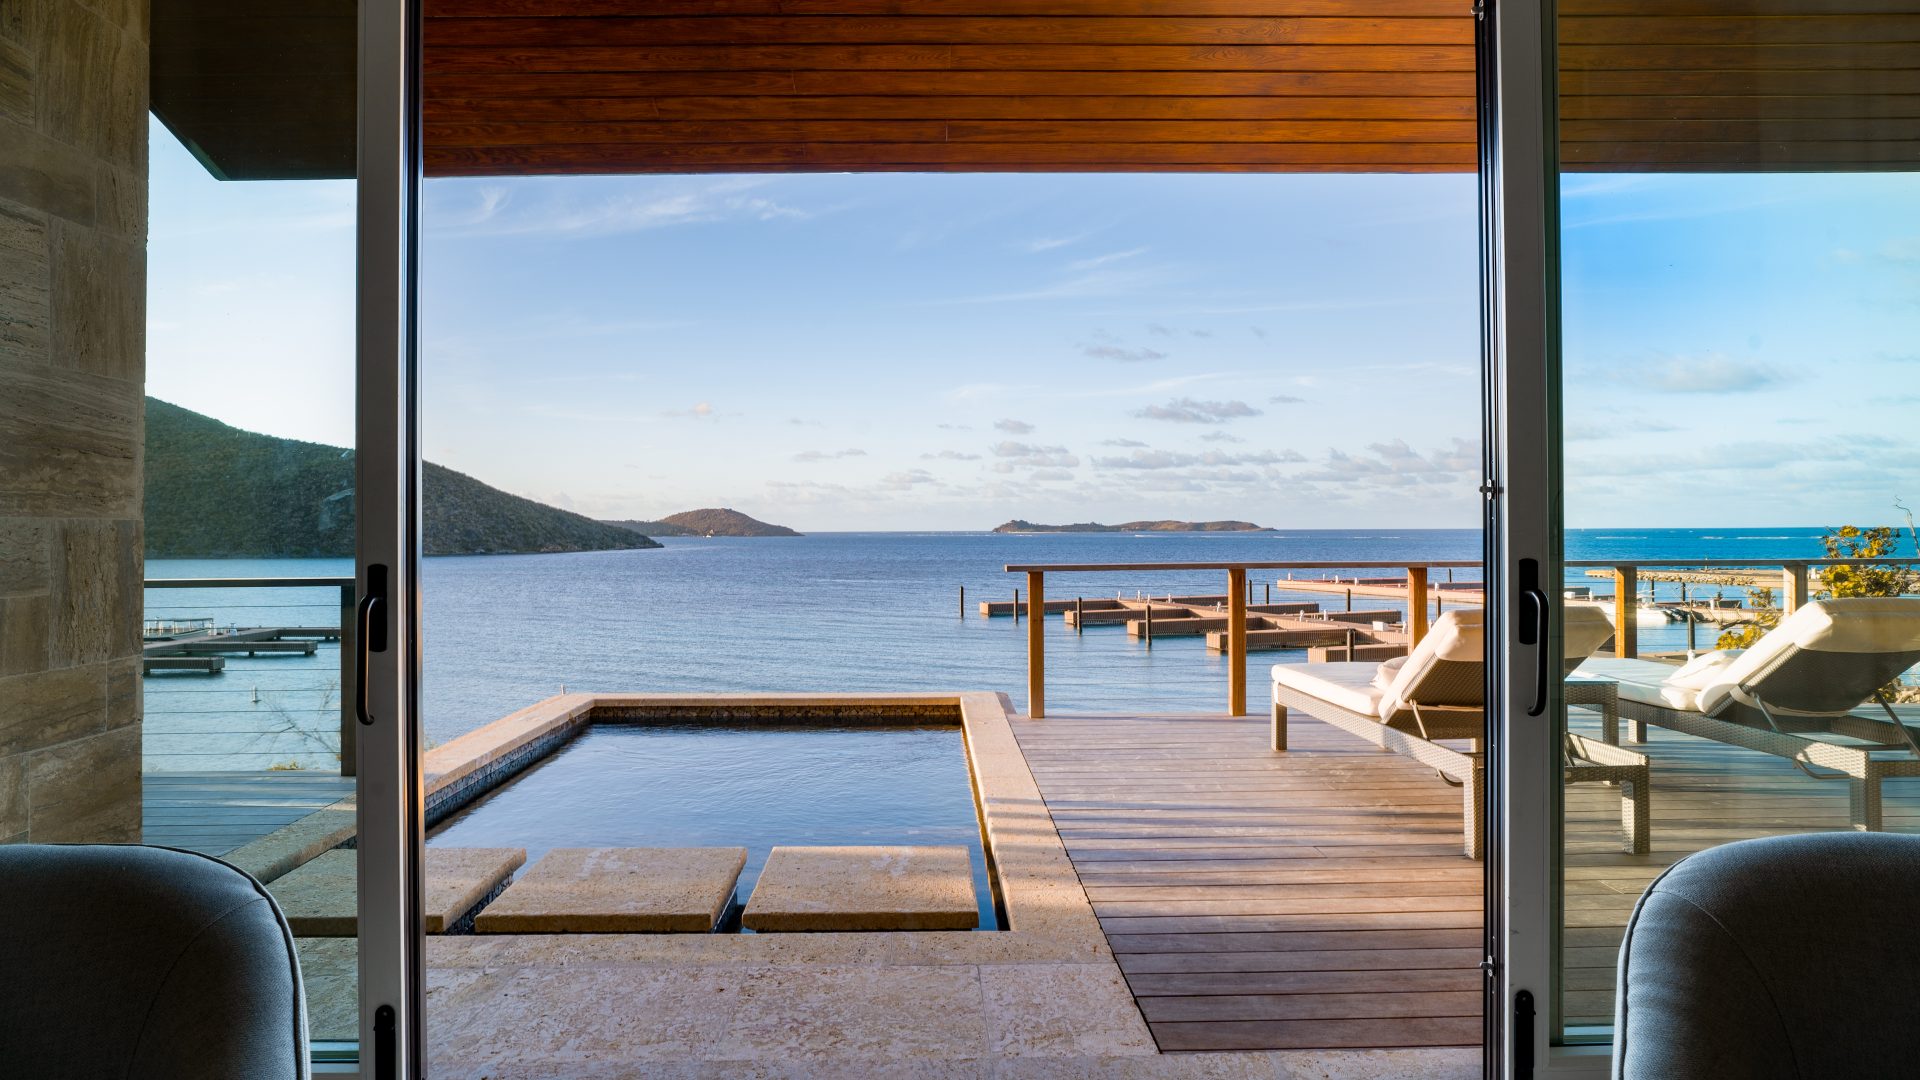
(517,87)
(949,85)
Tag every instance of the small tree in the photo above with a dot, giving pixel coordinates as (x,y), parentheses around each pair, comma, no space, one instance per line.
(1851,579)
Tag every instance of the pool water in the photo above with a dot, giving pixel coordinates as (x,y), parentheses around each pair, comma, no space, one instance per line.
(650,785)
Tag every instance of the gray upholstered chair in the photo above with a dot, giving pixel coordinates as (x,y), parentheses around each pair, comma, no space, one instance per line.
(1786,957)
(144,962)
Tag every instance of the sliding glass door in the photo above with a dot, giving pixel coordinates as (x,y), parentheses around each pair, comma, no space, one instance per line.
(1712,409)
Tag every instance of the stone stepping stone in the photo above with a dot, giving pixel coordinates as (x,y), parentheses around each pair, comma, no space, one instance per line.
(864,888)
(618,891)
(319,901)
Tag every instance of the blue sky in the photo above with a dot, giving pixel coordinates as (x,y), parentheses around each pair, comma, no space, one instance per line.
(946,352)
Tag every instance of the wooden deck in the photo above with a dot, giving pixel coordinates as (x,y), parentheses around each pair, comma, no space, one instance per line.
(1255,900)
(216,812)
(1318,898)
(1704,794)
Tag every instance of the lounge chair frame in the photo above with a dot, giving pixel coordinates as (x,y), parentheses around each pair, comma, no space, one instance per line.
(1790,737)
(1587,760)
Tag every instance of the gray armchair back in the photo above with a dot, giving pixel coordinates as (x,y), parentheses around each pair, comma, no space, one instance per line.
(148,963)
(1785,958)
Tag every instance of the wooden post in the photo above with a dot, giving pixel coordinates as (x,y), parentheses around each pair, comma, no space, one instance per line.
(1416,605)
(1267,595)
(349,688)
(1079,615)
(963,603)
(1149,624)
(1349,599)
(1016,605)
(1793,593)
(1626,614)
(1237,642)
(1036,646)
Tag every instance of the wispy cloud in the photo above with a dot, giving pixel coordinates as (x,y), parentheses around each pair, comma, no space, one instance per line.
(1019,455)
(1041,244)
(1285,399)
(1013,427)
(1192,411)
(548,209)
(1124,355)
(701,411)
(1712,373)
(950,455)
(1097,261)
(1168,459)
(829,455)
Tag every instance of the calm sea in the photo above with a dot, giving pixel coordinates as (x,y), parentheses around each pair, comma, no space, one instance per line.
(826,612)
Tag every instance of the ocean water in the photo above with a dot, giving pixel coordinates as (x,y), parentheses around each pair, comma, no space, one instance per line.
(831,612)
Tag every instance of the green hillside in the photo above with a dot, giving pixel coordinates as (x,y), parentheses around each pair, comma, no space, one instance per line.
(215,490)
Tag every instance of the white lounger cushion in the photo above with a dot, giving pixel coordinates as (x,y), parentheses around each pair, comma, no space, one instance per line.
(1350,686)
(1455,638)
(1651,682)
(1853,627)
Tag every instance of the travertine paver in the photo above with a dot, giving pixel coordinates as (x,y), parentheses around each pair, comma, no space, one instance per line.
(864,888)
(618,890)
(319,901)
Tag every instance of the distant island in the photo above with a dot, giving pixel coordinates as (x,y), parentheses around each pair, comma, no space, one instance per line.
(709,522)
(1018,526)
(217,491)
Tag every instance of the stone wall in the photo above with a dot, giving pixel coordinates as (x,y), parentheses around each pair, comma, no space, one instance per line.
(73,168)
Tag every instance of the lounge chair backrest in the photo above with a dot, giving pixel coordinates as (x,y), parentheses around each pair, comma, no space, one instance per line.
(1447,668)
(1825,659)
(1585,628)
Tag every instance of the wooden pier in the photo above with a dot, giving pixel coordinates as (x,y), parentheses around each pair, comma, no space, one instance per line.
(207,646)
(1287,625)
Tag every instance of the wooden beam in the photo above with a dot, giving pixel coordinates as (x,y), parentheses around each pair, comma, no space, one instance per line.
(1237,641)
(1793,582)
(1036,644)
(1626,612)
(1416,605)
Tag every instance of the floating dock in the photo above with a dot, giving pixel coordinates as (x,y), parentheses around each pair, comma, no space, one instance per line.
(204,649)
(1370,634)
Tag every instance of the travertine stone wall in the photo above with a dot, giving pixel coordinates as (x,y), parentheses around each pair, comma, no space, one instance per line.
(73,201)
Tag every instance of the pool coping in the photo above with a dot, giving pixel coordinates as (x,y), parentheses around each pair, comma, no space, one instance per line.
(1046,912)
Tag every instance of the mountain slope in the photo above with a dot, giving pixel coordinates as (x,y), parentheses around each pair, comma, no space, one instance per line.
(710,522)
(215,490)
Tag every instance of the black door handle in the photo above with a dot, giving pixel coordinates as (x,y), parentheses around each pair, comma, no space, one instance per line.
(370,620)
(1533,629)
(372,612)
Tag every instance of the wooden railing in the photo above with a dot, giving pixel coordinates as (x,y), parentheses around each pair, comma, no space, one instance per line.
(1236,636)
(1796,582)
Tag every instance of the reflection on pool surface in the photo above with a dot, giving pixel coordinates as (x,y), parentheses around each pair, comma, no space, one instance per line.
(648,785)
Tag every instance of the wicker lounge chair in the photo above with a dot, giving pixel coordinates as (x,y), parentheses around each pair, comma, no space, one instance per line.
(1798,693)
(1437,694)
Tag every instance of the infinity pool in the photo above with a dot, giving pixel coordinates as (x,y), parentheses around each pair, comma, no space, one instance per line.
(657,785)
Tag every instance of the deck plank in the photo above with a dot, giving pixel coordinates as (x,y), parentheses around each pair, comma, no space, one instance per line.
(1258,901)
(216,812)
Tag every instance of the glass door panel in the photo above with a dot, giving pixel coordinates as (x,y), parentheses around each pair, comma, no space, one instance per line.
(1737,220)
